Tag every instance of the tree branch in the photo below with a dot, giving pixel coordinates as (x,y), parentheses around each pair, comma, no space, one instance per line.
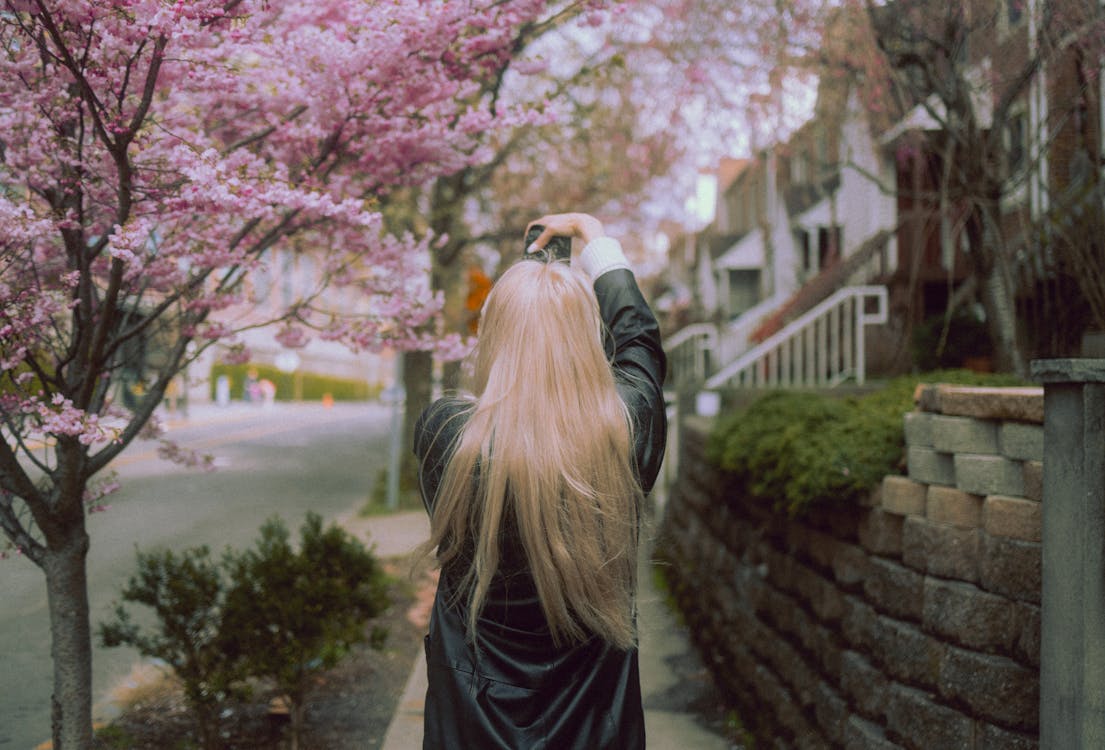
(264,133)
(67,58)
(14,479)
(18,535)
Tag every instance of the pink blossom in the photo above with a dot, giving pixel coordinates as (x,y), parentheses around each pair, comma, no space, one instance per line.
(273,128)
(236,354)
(171,451)
(529,67)
(291,336)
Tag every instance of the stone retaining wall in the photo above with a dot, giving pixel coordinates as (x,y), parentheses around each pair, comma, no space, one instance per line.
(911,620)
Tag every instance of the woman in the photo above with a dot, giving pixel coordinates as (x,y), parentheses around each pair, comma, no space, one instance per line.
(534,484)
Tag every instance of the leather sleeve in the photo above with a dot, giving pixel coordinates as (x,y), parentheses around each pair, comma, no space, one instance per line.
(634,346)
(435,436)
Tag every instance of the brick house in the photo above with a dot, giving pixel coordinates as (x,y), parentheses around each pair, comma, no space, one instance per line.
(863,194)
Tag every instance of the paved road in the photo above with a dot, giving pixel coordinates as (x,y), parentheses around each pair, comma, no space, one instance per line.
(283,460)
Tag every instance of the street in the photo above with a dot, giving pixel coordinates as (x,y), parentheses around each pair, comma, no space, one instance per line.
(281,460)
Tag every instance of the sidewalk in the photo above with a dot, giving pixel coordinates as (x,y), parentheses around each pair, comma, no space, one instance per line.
(671,675)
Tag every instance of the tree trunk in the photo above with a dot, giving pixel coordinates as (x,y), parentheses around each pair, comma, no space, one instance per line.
(418,373)
(996,290)
(70,632)
(448,276)
(998,296)
(1001,318)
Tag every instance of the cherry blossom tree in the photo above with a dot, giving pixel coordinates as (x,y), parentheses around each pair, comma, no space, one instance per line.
(635,94)
(150,152)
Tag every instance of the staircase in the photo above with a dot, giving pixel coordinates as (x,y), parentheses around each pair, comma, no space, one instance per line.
(822,348)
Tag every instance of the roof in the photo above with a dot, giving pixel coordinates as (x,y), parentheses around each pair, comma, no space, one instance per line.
(728,170)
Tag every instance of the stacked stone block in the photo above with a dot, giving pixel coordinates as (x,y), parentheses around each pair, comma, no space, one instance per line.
(910,620)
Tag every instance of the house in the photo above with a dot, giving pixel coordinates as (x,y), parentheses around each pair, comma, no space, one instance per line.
(865,194)
(1002,188)
(283,276)
(794,223)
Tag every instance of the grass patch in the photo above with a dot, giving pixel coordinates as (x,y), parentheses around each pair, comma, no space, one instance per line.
(377,502)
(661,570)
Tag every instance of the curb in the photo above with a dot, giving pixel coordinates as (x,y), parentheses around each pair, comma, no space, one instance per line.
(405,730)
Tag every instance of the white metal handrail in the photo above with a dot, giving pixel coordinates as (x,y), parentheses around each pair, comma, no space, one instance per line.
(823,347)
(689,350)
(733,339)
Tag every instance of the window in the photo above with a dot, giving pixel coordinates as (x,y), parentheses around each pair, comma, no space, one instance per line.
(828,246)
(824,162)
(802,245)
(744,289)
(287,278)
(262,277)
(306,273)
(1016,142)
(799,169)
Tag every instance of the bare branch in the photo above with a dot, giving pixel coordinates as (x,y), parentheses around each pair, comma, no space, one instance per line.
(14,479)
(265,132)
(18,535)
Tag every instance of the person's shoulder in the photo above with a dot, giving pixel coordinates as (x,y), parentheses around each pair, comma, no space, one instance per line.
(447,407)
(440,422)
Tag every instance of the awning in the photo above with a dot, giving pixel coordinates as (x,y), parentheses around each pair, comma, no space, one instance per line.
(747,252)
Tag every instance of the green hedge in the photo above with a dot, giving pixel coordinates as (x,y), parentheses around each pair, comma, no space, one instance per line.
(799,449)
(313,385)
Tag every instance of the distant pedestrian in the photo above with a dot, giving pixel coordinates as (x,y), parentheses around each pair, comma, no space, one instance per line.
(267,390)
(251,390)
(533,481)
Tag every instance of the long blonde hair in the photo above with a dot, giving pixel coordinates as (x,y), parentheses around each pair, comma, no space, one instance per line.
(548,443)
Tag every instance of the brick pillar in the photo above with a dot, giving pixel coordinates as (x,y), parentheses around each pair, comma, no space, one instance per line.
(1072,650)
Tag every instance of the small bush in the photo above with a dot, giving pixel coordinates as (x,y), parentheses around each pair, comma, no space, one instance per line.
(269,613)
(313,386)
(186,593)
(291,614)
(798,449)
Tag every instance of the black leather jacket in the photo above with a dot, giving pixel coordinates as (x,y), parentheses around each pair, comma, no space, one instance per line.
(516,690)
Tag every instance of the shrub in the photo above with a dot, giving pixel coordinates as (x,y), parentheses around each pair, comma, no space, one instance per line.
(798,449)
(186,594)
(270,613)
(292,614)
(313,386)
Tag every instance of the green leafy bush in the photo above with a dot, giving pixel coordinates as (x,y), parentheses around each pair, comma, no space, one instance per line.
(187,595)
(292,614)
(798,449)
(270,613)
(312,386)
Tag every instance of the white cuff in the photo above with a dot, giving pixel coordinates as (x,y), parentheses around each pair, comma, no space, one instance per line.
(602,254)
